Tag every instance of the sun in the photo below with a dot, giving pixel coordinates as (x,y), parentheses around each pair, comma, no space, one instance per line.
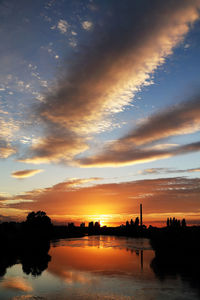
(103,219)
(102,223)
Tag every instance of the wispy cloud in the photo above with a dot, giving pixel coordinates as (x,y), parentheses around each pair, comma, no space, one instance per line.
(3,111)
(130,155)
(26,173)
(194,170)
(87,25)
(75,182)
(6,149)
(8,128)
(4,196)
(57,146)
(179,119)
(62,26)
(139,145)
(167,171)
(102,78)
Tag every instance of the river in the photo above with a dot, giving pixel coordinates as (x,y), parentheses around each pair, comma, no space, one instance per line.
(94,268)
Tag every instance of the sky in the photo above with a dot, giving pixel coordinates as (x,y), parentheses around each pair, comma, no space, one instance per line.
(100,110)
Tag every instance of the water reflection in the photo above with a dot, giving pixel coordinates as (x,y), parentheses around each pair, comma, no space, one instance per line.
(101,258)
(94,267)
(33,258)
(16,283)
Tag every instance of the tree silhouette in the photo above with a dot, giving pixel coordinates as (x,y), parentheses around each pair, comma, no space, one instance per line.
(39,223)
(175,223)
(136,222)
(40,217)
(168,222)
(183,222)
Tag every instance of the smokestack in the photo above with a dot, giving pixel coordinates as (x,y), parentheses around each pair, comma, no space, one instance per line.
(141,215)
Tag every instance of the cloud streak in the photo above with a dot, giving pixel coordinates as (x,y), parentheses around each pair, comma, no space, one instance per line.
(139,145)
(131,155)
(180,119)
(25,173)
(154,171)
(100,79)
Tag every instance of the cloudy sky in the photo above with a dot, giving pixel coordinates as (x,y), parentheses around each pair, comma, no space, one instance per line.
(100,109)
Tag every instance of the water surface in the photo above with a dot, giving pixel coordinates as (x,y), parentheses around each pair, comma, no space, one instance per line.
(94,267)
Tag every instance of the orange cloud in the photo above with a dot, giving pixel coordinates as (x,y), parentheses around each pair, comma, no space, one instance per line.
(194,170)
(15,283)
(167,170)
(116,202)
(26,173)
(74,182)
(6,149)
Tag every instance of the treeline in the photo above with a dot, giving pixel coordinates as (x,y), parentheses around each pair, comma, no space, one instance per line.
(39,226)
(175,223)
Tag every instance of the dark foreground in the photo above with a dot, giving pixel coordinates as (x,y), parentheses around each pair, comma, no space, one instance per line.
(176,247)
(96,267)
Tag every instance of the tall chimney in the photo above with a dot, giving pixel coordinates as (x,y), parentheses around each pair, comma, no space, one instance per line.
(141,215)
